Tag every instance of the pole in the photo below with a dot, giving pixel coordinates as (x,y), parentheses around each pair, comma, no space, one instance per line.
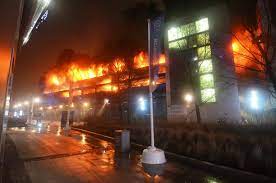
(150,89)
(31,112)
(152,155)
(70,99)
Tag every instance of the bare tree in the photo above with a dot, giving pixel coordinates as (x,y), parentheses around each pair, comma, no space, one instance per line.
(253,48)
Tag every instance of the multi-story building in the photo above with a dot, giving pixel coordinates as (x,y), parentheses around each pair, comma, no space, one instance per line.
(207,78)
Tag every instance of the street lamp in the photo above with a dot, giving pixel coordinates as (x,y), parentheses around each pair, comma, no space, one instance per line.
(36,100)
(188,98)
(85,104)
(142,103)
(106,101)
(254,99)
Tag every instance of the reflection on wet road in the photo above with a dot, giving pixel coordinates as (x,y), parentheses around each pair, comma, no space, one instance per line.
(50,156)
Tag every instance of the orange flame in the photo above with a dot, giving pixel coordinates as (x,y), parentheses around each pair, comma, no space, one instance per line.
(246,54)
(59,79)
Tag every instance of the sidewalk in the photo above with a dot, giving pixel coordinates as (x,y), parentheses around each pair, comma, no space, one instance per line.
(48,157)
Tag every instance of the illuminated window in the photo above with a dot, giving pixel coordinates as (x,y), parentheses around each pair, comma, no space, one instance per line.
(178,45)
(195,35)
(204,52)
(206,81)
(202,25)
(203,39)
(208,95)
(205,66)
(188,29)
(192,42)
(174,33)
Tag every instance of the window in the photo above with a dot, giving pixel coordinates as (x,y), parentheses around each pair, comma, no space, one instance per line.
(206,81)
(192,43)
(178,45)
(202,25)
(208,95)
(195,35)
(203,39)
(205,66)
(174,33)
(204,52)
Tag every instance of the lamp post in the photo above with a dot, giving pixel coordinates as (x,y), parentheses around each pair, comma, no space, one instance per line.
(70,101)
(34,100)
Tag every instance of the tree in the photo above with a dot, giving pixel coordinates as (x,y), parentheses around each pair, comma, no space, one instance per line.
(253,48)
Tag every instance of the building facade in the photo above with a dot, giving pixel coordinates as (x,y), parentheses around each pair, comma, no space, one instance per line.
(200,66)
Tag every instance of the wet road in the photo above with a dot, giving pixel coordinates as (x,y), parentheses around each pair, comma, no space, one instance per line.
(49,157)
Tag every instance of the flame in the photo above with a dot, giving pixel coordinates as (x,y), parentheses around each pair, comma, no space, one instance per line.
(58,79)
(118,65)
(245,53)
(141,60)
(54,79)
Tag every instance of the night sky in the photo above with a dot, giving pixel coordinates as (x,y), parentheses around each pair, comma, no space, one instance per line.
(86,26)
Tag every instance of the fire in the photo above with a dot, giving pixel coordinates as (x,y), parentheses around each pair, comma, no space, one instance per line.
(54,80)
(118,65)
(246,54)
(141,60)
(59,79)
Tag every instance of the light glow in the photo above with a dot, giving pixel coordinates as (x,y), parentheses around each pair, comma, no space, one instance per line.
(36,100)
(173,33)
(254,100)
(202,25)
(188,98)
(85,104)
(142,103)
(106,101)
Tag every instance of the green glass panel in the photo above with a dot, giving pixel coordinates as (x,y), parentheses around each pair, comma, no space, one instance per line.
(192,42)
(184,30)
(178,45)
(206,81)
(174,33)
(188,29)
(205,66)
(202,25)
(208,95)
(204,52)
(203,39)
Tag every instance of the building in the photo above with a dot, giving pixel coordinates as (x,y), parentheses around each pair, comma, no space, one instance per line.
(203,63)
(207,76)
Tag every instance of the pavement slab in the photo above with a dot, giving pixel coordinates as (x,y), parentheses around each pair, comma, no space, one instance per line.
(49,157)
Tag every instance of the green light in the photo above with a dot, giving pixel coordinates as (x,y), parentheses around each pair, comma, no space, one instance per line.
(204,52)
(173,33)
(208,95)
(202,25)
(205,66)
